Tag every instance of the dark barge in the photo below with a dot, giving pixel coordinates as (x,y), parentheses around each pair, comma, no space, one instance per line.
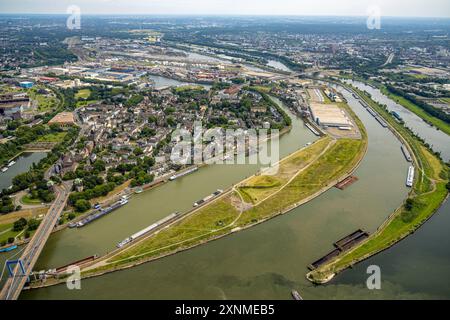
(341,245)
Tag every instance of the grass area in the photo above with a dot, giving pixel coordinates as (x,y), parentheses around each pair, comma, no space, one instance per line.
(83,94)
(428,193)
(53,137)
(265,89)
(188,88)
(438,123)
(26,199)
(46,102)
(261,186)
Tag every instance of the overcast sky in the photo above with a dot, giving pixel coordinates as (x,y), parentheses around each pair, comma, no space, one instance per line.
(414,8)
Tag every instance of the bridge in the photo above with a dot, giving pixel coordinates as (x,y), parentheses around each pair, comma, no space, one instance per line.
(15,283)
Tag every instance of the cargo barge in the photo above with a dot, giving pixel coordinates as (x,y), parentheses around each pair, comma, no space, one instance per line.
(410,178)
(381,121)
(406,153)
(341,245)
(101,212)
(363,104)
(150,228)
(312,129)
(350,240)
(182,174)
(76,263)
(346,182)
(373,113)
(208,198)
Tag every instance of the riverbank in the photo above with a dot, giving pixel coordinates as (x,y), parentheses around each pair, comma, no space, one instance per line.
(438,123)
(428,193)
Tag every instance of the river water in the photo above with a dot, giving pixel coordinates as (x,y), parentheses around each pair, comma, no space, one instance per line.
(264,262)
(437,139)
(23,163)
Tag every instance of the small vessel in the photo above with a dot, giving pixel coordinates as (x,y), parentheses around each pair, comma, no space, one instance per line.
(138,190)
(4,169)
(296,295)
(11,163)
(410,178)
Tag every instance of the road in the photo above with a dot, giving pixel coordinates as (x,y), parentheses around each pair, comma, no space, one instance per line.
(14,285)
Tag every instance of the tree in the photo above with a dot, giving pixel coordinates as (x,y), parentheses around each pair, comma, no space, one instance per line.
(409,204)
(138,151)
(33,224)
(19,225)
(82,205)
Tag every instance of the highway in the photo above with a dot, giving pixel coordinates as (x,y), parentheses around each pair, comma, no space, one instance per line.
(14,285)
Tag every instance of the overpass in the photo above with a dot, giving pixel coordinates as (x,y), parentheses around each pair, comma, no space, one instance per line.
(15,283)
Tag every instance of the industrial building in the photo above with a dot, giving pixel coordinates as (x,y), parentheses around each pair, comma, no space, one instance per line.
(330,115)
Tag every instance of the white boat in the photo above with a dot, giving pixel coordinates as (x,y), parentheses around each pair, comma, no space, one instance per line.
(4,169)
(11,163)
(410,178)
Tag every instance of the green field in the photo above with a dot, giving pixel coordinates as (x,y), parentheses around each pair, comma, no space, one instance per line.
(83,94)
(438,123)
(428,193)
(53,137)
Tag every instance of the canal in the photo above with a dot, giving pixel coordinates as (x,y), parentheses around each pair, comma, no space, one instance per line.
(264,262)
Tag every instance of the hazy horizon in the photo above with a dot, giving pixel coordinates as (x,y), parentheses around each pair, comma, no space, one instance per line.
(350,8)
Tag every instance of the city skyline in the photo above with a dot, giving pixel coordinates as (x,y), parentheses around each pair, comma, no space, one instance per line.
(402,8)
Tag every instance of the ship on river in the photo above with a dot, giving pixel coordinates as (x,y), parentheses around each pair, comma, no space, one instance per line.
(410,178)
(208,198)
(101,212)
(150,228)
(184,173)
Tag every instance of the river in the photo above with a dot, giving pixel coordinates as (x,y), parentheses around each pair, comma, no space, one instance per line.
(264,262)
(23,163)
(437,139)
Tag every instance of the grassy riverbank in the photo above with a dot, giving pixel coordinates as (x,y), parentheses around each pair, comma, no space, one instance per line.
(438,123)
(428,193)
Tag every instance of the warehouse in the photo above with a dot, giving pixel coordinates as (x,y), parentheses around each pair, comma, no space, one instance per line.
(330,115)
